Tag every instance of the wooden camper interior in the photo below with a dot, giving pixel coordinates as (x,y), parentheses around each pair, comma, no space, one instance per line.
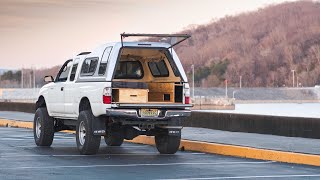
(155,82)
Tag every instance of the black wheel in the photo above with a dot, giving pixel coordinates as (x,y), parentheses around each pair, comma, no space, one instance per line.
(113,139)
(43,127)
(167,144)
(87,143)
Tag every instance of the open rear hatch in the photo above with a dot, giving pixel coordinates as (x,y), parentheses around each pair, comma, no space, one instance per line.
(148,77)
(145,75)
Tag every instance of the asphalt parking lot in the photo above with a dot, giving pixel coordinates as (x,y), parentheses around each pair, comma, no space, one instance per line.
(21,159)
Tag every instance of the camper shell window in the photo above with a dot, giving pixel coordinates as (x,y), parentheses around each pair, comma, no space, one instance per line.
(129,70)
(158,69)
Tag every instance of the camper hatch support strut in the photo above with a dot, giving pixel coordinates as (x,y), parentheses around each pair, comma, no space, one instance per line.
(182,36)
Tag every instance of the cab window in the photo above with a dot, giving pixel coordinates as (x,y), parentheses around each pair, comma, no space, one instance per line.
(104,61)
(64,71)
(73,72)
(89,66)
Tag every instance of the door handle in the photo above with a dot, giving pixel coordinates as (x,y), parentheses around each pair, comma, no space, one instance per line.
(62,88)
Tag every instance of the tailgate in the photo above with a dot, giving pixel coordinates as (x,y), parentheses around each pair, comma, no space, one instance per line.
(158,106)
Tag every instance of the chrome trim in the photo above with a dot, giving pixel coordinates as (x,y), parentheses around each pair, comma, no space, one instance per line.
(82,133)
(178,113)
(38,127)
(122,112)
(171,127)
(133,114)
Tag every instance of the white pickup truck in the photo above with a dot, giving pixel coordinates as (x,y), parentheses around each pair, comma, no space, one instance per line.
(119,91)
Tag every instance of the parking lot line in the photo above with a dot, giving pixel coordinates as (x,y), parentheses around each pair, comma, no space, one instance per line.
(136,165)
(14,155)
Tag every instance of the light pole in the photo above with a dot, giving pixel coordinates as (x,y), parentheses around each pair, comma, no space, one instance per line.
(31,78)
(192,67)
(226,82)
(34,76)
(22,77)
(240,82)
(292,77)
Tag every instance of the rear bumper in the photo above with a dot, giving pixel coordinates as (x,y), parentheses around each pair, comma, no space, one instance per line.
(134,114)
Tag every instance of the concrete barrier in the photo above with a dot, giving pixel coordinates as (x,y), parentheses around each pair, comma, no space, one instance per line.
(17,106)
(213,103)
(262,124)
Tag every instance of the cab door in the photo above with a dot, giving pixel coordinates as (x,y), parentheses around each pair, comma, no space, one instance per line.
(71,92)
(56,93)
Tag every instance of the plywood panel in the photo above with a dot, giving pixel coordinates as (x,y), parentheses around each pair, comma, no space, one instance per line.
(127,95)
(159,96)
(158,90)
(145,55)
(161,87)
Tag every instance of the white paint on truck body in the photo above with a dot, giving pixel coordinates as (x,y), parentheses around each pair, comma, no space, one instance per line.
(63,98)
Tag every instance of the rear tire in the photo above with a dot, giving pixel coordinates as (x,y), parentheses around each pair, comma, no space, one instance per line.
(87,143)
(167,144)
(43,127)
(113,139)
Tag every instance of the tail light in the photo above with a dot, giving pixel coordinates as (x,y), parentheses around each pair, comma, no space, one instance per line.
(186,90)
(106,97)
(187,100)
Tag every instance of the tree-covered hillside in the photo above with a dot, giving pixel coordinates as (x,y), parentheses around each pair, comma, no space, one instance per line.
(263,47)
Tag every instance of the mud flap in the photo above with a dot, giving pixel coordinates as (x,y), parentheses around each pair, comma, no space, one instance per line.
(174,132)
(170,130)
(99,126)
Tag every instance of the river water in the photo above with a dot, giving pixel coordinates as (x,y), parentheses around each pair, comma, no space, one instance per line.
(276,109)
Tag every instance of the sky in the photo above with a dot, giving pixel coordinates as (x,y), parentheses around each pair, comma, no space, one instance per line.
(44,33)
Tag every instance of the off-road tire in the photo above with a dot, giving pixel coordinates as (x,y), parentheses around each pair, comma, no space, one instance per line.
(88,143)
(167,144)
(43,127)
(113,139)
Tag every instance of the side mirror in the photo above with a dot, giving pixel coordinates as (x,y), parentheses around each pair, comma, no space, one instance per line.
(48,79)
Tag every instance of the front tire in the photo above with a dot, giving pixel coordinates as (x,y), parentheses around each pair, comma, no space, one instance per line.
(43,127)
(167,144)
(87,143)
